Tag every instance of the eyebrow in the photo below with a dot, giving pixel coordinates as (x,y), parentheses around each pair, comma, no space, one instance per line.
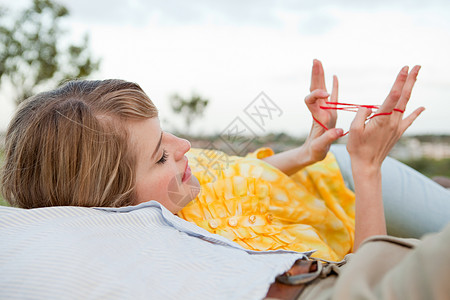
(157,146)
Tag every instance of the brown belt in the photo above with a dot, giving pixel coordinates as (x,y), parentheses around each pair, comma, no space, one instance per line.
(290,284)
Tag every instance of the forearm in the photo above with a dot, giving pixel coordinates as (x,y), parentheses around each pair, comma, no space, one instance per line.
(369,212)
(290,161)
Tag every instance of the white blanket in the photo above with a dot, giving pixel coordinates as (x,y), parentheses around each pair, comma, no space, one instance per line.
(139,252)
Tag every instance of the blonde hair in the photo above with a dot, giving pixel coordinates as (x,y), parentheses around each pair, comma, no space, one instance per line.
(69,146)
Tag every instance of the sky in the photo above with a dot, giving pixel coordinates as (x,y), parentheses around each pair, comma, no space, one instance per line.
(232,51)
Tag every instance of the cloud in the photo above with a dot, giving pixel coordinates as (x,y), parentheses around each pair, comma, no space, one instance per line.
(261,12)
(306,17)
(249,12)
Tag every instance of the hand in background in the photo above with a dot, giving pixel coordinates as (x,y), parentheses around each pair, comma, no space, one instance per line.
(319,140)
(369,143)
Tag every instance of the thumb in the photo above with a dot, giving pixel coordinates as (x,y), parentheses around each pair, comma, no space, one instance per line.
(328,137)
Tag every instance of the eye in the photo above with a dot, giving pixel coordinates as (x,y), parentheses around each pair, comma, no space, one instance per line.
(163,157)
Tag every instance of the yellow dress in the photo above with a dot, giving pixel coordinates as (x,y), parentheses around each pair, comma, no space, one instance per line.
(259,207)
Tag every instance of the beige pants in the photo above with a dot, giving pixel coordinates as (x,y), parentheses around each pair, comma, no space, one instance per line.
(391,268)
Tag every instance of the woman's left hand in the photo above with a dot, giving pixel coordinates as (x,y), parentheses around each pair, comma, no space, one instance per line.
(369,143)
(319,140)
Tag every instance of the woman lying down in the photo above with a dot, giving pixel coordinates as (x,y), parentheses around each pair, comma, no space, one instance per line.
(100,144)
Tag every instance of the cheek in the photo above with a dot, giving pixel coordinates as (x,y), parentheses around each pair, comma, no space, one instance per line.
(153,188)
(166,188)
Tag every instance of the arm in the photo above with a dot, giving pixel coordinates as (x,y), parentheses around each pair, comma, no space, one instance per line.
(312,151)
(368,145)
(291,161)
(319,140)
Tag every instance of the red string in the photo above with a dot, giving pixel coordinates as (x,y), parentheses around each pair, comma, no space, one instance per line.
(353,108)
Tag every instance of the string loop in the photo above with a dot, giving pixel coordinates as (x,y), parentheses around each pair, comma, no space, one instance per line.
(353,108)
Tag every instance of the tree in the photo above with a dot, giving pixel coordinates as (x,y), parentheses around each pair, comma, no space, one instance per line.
(33,54)
(190,108)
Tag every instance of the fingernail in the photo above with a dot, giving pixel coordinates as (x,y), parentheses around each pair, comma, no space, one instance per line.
(339,132)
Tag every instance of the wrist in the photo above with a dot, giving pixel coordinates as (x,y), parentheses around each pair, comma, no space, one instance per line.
(365,171)
(366,177)
(304,156)
(365,168)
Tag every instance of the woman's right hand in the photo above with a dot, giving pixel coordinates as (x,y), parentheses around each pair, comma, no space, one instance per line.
(319,140)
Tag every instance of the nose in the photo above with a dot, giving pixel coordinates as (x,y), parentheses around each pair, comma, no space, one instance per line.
(181,146)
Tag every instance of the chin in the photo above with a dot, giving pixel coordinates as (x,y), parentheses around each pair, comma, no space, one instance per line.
(180,196)
(195,186)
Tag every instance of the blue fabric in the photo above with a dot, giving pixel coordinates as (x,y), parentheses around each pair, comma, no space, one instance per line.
(140,252)
(414,204)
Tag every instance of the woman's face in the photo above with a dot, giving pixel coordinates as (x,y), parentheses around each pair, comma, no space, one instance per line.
(162,171)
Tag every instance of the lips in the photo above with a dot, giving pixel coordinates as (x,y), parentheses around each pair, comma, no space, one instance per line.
(187,173)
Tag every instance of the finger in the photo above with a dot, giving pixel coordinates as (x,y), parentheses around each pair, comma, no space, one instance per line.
(411,118)
(395,93)
(335,90)
(312,99)
(317,76)
(407,89)
(360,118)
(316,95)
